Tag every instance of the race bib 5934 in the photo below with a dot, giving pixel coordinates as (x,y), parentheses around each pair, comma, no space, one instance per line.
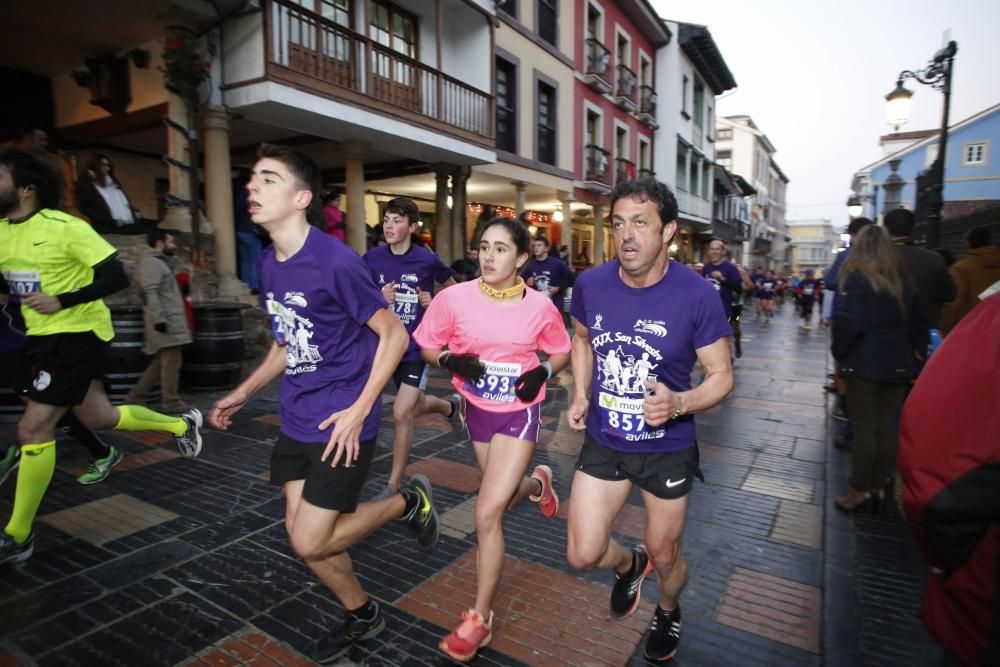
(497,384)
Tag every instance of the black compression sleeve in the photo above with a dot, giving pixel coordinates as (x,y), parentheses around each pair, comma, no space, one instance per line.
(109,277)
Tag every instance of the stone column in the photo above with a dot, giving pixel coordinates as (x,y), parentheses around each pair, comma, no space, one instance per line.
(442,216)
(598,250)
(519,186)
(219,200)
(178,218)
(459,214)
(354,167)
(567,222)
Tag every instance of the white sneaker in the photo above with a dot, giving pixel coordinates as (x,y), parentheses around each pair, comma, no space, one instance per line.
(189,444)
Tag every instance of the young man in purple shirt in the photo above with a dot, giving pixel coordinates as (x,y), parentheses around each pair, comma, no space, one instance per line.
(406,273)
(546,273)
(641,323)
(336,344)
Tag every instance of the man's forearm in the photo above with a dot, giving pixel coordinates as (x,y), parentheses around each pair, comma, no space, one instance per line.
(709,393)
(272,366)
(109,278)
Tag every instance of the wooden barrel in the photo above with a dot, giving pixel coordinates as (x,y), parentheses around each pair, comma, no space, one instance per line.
(214,360)
(126,362)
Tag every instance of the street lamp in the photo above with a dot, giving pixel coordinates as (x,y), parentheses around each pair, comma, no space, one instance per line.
(856,203)
(937,74)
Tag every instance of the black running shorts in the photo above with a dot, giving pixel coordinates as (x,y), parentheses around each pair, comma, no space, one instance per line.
(325,486)
(668,475)
(413,373)
(57,369)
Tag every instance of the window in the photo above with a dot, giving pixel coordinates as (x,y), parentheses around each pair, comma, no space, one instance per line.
(699,103)
(622,52)
(506,106)
(548,23)
(594,23)
(393,27)
(681,174)
(508,6)
(724,134)
(593,129)
(643,154)
(974,154)
(684,97)
(338,11)
(546,144)
(724,158)
(709,123)
(645,72)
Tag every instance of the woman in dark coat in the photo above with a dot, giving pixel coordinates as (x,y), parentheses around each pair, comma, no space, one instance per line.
(880,337)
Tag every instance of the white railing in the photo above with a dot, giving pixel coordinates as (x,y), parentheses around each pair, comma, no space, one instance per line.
(694,205)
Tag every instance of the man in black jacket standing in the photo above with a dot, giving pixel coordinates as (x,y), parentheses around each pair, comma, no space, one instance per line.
(928,272)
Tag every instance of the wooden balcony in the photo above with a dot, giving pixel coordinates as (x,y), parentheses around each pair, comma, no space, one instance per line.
(312,53)
(625,89)
(597,73)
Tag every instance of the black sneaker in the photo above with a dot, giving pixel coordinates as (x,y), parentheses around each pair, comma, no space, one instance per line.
(189,444)
(625,595)
(350,632)
(12,552)
(423,517)
(664,635)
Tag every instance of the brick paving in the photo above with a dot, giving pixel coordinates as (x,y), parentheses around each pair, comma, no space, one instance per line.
(173,561)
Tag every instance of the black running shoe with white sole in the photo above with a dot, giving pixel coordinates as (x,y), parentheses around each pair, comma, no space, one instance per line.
(353,630)
(189,444)
(626,593)
(664,635)
(12,552)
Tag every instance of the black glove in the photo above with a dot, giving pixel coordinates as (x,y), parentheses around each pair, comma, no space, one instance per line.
(161,327)
(526,387)
(467,366)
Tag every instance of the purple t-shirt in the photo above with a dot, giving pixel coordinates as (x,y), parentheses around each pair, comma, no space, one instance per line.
(552,272)
(417,267)
(731,281)
(640,333)
(318,301)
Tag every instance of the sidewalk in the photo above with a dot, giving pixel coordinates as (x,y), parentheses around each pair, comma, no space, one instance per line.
(174,561)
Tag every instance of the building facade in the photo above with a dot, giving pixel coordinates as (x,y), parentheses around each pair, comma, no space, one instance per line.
(691,73)
(617,104)
(813,245)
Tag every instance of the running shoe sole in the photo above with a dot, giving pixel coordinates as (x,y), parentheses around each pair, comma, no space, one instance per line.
(464,658)
(195,417)
(425,484)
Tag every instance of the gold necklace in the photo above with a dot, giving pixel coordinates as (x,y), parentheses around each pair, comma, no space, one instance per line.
(502,293)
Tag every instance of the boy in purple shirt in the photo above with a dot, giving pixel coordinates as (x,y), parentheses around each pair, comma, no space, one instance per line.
(406,273)
(336,343)
(545,273)
(641,323)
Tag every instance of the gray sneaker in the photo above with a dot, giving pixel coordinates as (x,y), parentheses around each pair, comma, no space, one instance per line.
(457,410)
(189,444)
(9,462)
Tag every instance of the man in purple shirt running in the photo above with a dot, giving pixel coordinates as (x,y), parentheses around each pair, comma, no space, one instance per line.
(336,343)
(641,323)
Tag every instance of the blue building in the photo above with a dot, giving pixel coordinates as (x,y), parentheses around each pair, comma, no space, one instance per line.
(972,174)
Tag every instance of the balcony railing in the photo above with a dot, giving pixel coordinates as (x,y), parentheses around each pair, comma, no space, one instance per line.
(647,173)
(310,51)
(693,205)
(595,160)
(597,66)
(625,89)
(647,100)
(624,170)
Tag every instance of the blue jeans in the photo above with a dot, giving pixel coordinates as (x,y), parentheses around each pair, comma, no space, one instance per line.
(249,250)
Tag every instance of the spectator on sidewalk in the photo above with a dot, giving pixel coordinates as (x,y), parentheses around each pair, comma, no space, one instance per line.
(334,217)
(101,198)
(879,333)
(166,324)
(927,271)
(948,461)
(977,270)
(467,268)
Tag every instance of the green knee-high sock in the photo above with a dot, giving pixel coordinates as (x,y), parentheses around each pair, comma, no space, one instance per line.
(38,462)
(138,418)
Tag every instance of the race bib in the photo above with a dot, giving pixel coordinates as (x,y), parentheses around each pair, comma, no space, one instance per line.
(807,291)
(407,306)
(23,283)
(497,384)
(621,416)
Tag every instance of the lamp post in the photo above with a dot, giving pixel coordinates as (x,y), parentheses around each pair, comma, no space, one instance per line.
(937,73)
(856,203)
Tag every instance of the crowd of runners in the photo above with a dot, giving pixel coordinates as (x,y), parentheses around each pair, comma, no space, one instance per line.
(638,326)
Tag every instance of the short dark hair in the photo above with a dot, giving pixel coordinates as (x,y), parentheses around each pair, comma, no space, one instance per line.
(404,206)
(542,238)
(857,224)
(518,231)
(899,222)
(302,167)
(649,188)
(978,237)
(28,169)
(153,236)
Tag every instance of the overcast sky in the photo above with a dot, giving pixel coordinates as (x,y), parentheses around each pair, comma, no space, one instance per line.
(813,75)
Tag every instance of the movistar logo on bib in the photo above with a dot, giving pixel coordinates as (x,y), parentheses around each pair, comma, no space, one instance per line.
(497,384)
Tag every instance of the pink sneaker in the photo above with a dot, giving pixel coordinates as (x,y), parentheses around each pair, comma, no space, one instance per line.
(473,634)
(548,501)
